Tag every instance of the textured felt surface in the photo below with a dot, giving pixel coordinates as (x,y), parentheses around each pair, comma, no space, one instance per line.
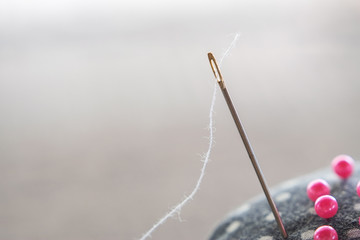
(255,220)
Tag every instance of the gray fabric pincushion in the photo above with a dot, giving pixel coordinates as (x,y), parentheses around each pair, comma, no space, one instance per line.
(254,220)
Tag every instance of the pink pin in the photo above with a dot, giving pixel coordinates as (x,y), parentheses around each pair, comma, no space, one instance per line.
(326,206)
(358,188)
(317,188)
(325,233)
(343,166)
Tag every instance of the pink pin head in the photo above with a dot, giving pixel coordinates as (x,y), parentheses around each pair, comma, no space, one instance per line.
(317,188)
(358,188)
(325,233)
(343,166)
(326,206)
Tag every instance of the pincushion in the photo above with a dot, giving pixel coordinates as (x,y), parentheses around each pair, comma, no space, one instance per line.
(254,220)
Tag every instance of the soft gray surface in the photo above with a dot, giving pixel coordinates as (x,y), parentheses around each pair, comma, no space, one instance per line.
(104,109)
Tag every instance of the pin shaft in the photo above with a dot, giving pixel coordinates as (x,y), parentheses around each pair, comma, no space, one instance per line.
(247,144)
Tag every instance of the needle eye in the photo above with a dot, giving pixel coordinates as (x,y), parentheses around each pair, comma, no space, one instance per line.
(215,69)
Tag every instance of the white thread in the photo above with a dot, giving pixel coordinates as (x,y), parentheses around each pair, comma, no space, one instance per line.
(178,207)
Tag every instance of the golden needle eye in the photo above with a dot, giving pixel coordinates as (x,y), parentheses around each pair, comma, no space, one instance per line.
(215,69)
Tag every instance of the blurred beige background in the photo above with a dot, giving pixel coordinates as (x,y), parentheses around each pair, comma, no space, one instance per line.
(104,109)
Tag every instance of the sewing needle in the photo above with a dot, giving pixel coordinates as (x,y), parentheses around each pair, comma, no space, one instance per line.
(246,142)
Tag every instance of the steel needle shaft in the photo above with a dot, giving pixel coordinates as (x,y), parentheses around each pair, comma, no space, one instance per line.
(248,147)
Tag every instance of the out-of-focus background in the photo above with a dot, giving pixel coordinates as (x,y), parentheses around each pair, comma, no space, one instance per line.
(104,109)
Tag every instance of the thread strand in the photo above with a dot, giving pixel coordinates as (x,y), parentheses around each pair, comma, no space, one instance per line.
(178,207)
